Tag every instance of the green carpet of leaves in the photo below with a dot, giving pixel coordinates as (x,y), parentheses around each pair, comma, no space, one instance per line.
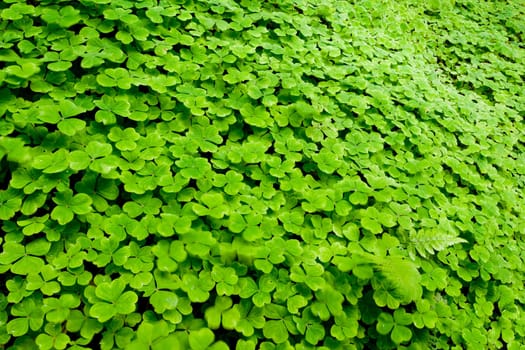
(274,175)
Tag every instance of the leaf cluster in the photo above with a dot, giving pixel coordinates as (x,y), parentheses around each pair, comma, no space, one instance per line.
(261,175)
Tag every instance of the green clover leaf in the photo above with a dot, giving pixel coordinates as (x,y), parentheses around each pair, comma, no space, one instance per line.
(314,333)
(146,204)
(24,260)
(327,161)
(401,334)
(17,11)
(30,310)
(68,205)
(99,189)
(119,105)
(201,339)
(213,204)
(225,280)
(385,323)
(115,77)
(295,303)
(10,203)
(370,220)
(125,139)
(58,310)
(193,168)
(152,335)
(23,70)
(33,225)
(101,159)
(52,163)
(256,116)
(18,327)
(114,300)
(276,330)
(197,288)
(207,137)
(213,314)
(164,300)
(65,17)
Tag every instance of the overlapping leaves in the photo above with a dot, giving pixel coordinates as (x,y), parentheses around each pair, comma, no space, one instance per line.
(286,174)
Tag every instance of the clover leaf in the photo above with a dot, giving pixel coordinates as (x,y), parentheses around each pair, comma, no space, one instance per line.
(97,156)
(17,327)
(275,330)
(29,316)
(100,190)
(33,225)
(214,314)
(23,70)
(115,77)
(70,126)
(44,280)
(207,137)
(68,205)
(258,179)
(119,105)
(113,300)
(197,287)
(212,205)
(425,315)
(24,260)
(125,139)
(152,334)
(59,341)
(193,168)
(134,258)
(256,116)
(370,220)
(314,333)
(225,280)
(10,203)
(52,163)
(201,339)
(58,310)
(142,204)
(163,300)
(65,17)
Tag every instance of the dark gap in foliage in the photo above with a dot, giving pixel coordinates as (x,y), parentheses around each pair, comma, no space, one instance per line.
(76,69)
(26,93)
(230,337)
(76,28)
(309,167)
(143,305)
(324,21)
(207,155)
(75,178)
(465,289)
(42,211)
(6,170)
(192,184)
(150,240)
(110,34)
(198,309)
(95,341)
(11,343)
(94,269)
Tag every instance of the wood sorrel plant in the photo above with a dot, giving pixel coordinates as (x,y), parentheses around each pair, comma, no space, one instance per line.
(285,174)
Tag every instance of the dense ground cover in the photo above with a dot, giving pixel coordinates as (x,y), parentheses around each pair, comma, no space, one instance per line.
(286,174)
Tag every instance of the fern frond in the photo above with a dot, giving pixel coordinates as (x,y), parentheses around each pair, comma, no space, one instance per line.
(402,275)
(431,241)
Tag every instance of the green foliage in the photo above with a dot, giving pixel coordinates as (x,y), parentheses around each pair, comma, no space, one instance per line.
(262,174)
(112,300)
